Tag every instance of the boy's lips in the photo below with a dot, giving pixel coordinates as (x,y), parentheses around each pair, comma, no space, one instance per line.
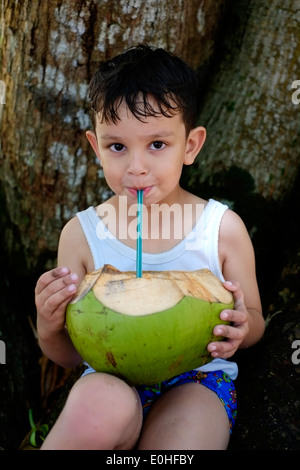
(134,191)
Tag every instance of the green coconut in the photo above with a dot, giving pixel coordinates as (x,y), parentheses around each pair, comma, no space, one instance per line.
(146,329)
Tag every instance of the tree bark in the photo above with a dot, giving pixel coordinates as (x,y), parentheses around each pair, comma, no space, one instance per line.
(49,51)
(251,119)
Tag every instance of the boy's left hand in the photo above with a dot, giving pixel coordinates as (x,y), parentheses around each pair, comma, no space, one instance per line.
(236,332)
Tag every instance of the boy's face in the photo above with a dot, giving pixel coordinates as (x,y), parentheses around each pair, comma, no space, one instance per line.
(146,155)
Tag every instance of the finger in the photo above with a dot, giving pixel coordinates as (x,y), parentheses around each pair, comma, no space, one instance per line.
(59,300)
(229,332)
(227,349)
(234,316)
(59,284)
(56,291)
(231,285)
(48,277)
(238,295)
(234,335)
(225,346)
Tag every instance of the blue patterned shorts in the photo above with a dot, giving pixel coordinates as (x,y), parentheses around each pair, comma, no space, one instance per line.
(217,381)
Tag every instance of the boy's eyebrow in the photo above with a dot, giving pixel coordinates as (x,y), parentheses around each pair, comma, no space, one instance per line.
(161,134)
(158,135)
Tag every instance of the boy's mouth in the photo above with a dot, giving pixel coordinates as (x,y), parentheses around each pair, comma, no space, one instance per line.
(134,191)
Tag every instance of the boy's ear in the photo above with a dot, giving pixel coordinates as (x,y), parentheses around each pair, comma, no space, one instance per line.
(194,144)
(92,138)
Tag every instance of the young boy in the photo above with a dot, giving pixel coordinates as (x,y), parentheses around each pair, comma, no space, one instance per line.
(144,110)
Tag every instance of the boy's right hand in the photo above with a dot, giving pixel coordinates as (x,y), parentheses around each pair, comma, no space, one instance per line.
(54,290)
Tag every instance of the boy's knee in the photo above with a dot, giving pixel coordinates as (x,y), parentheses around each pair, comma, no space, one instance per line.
(102,409)
(104,395)
(101,412)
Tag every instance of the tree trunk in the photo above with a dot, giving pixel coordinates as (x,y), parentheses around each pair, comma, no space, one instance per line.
(251,120)
(49,51)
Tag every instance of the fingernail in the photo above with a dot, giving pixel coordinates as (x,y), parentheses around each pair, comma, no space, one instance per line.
(74,277)
(72,288)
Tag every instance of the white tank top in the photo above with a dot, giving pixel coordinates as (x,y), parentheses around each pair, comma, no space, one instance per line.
(199,249)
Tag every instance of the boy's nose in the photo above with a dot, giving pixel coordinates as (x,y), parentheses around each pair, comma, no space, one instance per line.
(137,165)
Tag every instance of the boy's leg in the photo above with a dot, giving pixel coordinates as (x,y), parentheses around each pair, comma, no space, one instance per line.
(101,412)
(189,416)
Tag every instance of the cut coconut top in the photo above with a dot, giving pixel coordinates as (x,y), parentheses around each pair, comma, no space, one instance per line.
(154,292)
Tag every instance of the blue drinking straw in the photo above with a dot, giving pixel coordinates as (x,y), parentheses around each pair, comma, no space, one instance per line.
(139,233)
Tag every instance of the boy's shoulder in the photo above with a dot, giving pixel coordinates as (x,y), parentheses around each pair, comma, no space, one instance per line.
(232,223)
(72,233)
(233,234)
(72,224)
(73,249)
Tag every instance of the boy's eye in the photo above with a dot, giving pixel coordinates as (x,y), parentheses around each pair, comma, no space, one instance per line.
(117,147)
(157,145)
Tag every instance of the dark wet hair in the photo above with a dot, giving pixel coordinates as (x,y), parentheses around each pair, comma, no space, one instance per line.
(137,74)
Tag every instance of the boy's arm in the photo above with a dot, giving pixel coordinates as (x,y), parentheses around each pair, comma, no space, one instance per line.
(53,292)
(238,266)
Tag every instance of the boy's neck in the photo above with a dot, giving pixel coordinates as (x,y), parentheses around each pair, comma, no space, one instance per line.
(164,225)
